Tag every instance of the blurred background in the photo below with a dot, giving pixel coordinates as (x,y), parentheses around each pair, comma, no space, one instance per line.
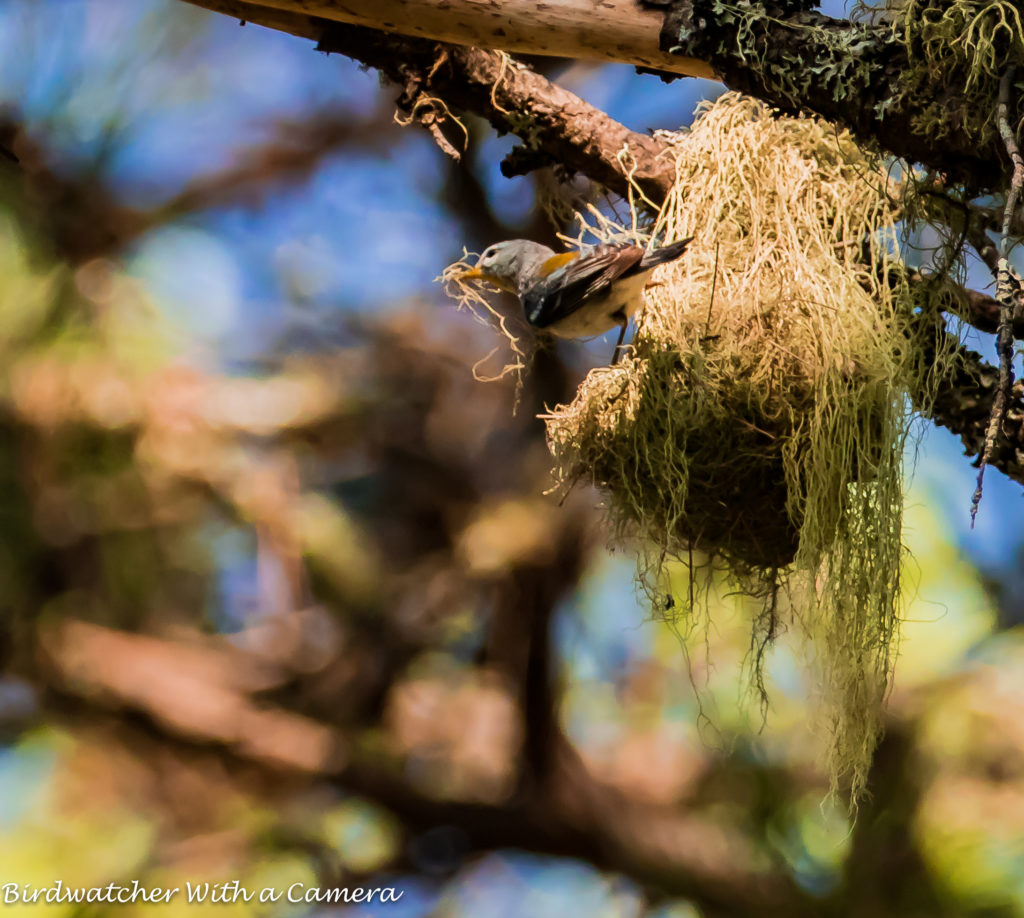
(282,599)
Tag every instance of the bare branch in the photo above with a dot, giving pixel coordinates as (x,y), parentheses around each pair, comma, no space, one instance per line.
(563,128)
(1007,286)
(556,125)
(612,30)
(782,52)
(964,406)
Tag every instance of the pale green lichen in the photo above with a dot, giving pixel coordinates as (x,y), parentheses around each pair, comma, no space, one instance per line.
(957,52)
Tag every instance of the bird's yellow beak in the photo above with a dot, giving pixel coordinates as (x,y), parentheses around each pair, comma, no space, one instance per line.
(477,274)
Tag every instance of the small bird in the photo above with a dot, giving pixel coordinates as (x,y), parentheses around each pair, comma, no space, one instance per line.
(574,294)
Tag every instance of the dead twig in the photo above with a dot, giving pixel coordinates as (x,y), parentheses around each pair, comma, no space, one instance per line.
(1007,286)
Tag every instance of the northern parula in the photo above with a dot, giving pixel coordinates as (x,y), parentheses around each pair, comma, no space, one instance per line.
(574,294)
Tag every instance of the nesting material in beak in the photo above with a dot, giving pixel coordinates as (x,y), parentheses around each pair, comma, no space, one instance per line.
(493,280)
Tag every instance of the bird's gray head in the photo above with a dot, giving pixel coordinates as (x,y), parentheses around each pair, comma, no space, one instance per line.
(510,265)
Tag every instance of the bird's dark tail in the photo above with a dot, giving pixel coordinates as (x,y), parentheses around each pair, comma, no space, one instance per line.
(668,252)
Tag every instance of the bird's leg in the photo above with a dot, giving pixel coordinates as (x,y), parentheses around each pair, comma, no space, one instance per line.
(623,322)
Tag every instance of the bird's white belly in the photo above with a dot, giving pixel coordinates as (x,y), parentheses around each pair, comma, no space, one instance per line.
(600,314)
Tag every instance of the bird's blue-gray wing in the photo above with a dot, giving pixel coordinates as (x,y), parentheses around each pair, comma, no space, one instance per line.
(560,294)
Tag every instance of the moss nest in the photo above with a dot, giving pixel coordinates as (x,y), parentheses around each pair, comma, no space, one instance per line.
(762,415)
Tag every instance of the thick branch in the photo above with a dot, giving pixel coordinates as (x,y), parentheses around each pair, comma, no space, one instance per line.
(555,124)
(584,139)
(611,30)
(551,120)
(674,853)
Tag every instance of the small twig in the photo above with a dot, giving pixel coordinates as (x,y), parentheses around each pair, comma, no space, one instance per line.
(1007,285)
(435,131)
(442,58)
(711,300)
(429,111)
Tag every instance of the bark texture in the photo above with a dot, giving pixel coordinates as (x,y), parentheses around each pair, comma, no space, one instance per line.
(601,30)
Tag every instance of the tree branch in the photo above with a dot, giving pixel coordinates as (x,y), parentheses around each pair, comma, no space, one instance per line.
(673,853)
(612,30)
(964,406)
(552,121)
(568,130)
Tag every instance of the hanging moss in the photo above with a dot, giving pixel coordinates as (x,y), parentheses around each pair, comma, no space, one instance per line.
(763,414)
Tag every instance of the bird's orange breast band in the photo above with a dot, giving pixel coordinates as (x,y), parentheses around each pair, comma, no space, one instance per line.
(557,261)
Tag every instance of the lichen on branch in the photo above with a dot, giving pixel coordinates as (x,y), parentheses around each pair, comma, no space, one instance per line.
(910,79)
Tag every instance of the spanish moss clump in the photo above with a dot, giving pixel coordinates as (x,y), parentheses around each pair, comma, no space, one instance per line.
(762,416)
